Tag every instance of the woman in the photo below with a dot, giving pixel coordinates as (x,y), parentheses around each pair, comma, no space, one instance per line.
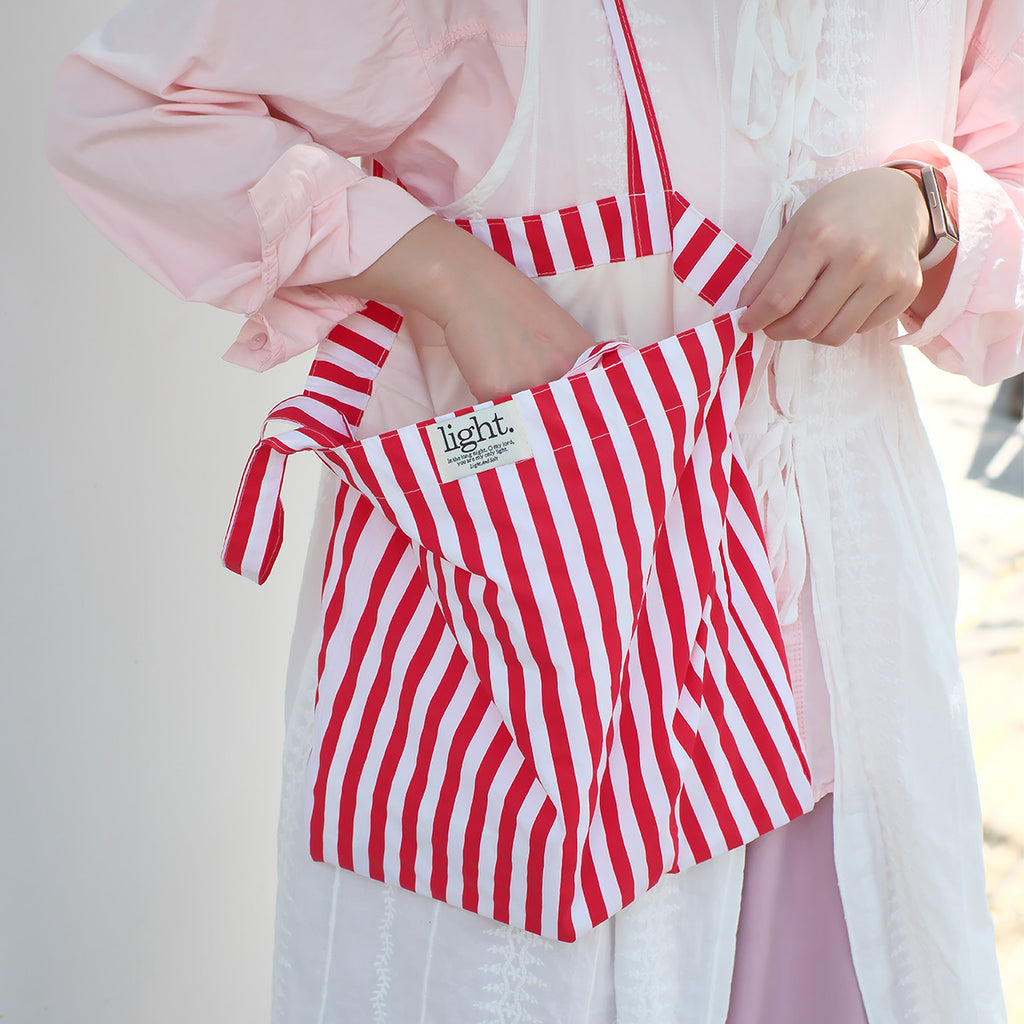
(209,144)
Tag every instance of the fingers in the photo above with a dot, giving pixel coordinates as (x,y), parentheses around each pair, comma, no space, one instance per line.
(780,281)
(836,307)
(802,297)
(847,261)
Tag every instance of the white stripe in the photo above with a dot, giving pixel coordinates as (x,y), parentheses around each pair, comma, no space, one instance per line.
(597,237)
(370,329)
(650,172)
(344,769)
(712,733)
(519,855)
(497,795)
(450,719)
(688,225)
(389,710)
(661,232)
(459,821)
(520,246)
(348,359)
(558,245)
(480,230)
(258,540)
(405,770)
(731,296)
(628,235)
(706,267)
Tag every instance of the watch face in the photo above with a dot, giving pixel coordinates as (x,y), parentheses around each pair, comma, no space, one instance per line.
(933,187)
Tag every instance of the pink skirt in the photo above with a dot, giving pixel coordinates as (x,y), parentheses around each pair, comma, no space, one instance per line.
(793,961)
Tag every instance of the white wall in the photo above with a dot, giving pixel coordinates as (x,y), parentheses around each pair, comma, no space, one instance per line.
(140,683)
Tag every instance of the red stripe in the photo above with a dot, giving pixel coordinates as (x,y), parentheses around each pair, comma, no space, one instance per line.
(398,728)
(341,376)
(576,237)
(639,786)
(661,673)
(536,238)
(708,775)
(444,692)
(642,437)
(388,318)
(634,170)
(480,654)
(535,863)
(724,276)
(544,683)
(350,340)
(694,249)
(501,242)
(696,841)
(715,702)
(645,96)
(615,486)
(361,642)
(615,845)
(590,884)
(361,511)
(517,793)
(641,224)
(592,540)
(611,219)
(678,204)
(484,783)
(339,514)
(246,502)
(455,760)
(766,743)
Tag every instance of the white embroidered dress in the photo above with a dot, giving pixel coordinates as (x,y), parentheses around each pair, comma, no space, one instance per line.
(856,518)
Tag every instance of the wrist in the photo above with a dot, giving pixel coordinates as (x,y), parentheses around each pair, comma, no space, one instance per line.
(942,236)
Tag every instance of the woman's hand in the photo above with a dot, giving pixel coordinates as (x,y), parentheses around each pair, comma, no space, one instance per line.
(847,260)
(503,331)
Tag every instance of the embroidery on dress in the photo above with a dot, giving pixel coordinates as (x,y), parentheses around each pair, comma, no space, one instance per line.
(382,962)
(514,989)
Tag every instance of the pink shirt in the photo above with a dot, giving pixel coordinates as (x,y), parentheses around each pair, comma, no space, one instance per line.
(212,147)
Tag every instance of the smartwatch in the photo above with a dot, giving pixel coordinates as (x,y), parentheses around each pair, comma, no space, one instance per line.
(933,186)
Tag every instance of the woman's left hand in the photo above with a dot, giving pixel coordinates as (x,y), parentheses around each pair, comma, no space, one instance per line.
(846,261)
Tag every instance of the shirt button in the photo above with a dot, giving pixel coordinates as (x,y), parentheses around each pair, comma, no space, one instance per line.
(257,341)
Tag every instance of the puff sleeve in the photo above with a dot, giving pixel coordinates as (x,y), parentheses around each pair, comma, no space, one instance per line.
(204,138)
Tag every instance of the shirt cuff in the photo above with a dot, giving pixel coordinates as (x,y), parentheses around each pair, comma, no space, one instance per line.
(321,218)
(975,328)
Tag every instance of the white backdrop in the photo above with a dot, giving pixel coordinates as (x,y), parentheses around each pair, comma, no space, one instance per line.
(141,683)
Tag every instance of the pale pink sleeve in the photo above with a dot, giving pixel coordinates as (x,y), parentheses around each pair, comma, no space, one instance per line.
(166,130)
(976,329)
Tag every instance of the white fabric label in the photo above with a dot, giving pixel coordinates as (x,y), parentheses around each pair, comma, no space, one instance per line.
(478,440)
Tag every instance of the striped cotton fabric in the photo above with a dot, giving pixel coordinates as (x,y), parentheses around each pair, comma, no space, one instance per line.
(572,688)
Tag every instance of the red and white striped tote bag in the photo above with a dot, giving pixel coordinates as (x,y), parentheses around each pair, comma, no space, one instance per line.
(605,695)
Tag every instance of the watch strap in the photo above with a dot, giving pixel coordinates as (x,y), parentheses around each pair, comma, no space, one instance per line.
(933,187)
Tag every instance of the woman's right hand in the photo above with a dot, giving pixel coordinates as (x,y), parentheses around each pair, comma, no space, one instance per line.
(503,331)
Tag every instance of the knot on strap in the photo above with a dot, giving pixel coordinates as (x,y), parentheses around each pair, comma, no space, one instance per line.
(257,521)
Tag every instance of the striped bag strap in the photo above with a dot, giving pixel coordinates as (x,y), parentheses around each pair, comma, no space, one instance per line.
(705,258)
(324,416)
